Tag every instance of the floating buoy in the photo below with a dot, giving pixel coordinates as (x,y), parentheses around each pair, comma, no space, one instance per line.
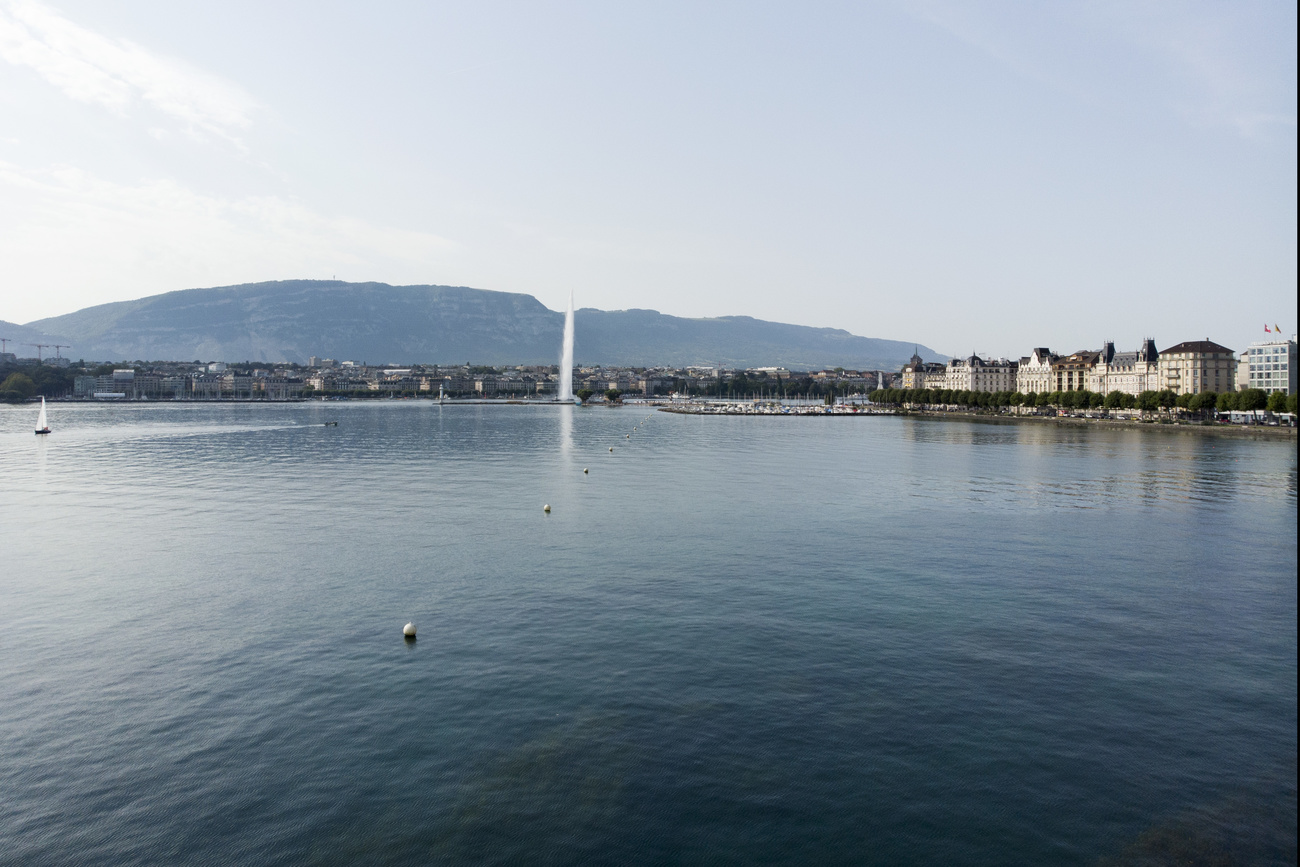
(611,448)
(584,471)
(547,508)
(409,630)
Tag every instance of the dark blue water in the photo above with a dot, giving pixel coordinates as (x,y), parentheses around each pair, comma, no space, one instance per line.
(736,640)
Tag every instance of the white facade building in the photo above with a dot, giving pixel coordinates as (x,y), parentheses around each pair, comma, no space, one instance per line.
(1271,365)
(1128,372)
(980,374)
(1034,373)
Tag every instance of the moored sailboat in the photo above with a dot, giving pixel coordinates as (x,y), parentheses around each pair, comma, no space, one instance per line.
(42,424)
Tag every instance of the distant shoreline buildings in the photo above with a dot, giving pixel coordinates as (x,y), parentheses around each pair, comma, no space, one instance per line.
(1191,367)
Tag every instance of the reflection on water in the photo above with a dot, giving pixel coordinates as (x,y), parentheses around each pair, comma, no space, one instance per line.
(1076,468)
(566,430)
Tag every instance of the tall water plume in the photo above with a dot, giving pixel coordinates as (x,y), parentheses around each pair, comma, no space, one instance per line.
(566,355)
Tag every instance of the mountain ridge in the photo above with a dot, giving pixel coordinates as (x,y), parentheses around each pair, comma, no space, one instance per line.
(290,320)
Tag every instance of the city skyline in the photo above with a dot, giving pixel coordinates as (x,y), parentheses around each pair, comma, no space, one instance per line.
(906,171)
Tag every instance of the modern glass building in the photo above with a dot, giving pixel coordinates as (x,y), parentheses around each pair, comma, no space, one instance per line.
(1272,365)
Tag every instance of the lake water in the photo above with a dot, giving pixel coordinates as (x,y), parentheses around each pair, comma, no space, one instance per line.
(735,640)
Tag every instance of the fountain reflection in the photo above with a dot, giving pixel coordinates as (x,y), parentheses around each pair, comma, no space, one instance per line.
(566,431)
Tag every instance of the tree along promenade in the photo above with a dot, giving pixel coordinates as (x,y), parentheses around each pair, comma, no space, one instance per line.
(1201,406)
(1165,424)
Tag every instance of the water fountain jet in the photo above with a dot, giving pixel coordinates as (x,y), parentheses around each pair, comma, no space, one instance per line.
(566,356)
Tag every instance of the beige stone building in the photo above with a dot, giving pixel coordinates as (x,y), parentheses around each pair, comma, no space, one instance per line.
(1128,372)
(1198,366)
(980,374)
(921,374)
(1034,372)
(1071,372)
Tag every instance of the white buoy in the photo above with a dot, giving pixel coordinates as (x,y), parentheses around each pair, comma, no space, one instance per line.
(409,630)
(547,508)
(611,448)
(584,471)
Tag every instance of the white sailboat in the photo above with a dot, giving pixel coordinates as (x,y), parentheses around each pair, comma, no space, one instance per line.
(42,424)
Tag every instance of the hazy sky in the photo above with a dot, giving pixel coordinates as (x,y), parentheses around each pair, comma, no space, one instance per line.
(986,177)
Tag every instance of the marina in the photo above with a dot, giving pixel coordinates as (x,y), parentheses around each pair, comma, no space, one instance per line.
(774,408)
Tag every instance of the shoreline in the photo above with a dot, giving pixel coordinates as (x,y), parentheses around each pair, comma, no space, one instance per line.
(1262,432)
(1256,432)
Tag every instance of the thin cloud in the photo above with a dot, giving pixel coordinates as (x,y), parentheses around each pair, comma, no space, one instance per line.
(1225,79)
(1217,49)
(116,73)
(973,26)
(154,236)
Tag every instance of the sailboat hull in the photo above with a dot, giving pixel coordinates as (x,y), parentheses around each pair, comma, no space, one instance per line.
(42,431)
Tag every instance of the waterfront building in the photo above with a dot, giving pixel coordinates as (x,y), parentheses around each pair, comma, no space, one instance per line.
(1197,366)
(205,387)
(1034,372)
(1127,372)
(916,372)
(395,384)
(174,387)
(118,382)
(489,386)
(1271,366)
(235,386)
(935,376)
(1071,372)
(980,374)
(281,388)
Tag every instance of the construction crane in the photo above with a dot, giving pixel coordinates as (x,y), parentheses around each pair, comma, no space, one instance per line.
(3,341)
(39,347)
(58,346)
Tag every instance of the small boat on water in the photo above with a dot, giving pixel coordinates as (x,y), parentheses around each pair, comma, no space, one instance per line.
(42,424)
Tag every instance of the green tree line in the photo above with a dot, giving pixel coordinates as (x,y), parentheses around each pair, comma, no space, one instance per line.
(1147,401)
(20,383)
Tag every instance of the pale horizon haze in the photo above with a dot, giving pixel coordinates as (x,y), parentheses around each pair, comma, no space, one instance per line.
(976,177)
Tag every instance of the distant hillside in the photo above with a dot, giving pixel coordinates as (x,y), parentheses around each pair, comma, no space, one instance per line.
(19,340)
(291,320)
(630,337)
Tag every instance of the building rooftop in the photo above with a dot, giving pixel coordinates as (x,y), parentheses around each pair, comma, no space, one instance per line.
(1201,346)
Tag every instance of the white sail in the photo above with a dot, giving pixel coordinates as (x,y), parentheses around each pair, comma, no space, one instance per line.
(41,423)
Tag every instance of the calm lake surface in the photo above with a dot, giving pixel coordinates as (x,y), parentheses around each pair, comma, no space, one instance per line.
(736,640)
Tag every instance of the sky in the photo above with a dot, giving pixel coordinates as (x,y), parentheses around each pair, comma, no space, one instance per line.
(976,177)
